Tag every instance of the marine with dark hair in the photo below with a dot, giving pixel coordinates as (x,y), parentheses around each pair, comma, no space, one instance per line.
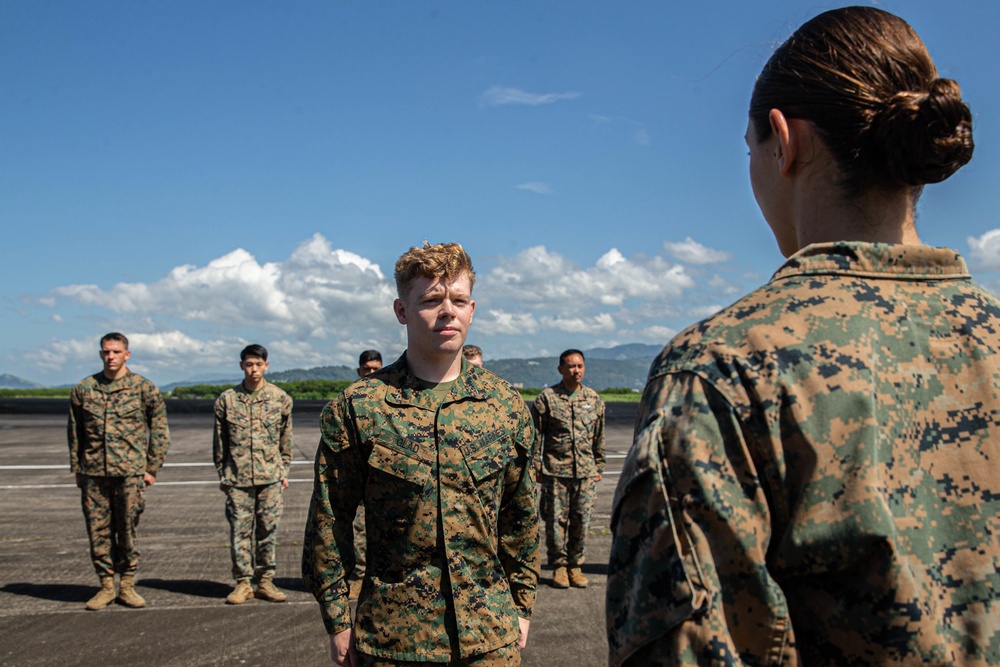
(252,450)
(118,438)
(369,362)
(440,453)
(569,448)
(815,474)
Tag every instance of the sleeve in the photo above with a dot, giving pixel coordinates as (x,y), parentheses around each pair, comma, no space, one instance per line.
(518,522)
(159,432)
(688,581)
(598,445)
(74,428)
(285,441)
(338,486)
(220,437)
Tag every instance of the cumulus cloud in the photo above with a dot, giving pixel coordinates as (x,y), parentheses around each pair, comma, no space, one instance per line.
(300,297)
(322,305)
(692,252)
(538,278)
(502,95)
(536,187)
(985,250)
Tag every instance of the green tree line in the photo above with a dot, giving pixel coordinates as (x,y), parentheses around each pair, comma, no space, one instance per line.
(298,389)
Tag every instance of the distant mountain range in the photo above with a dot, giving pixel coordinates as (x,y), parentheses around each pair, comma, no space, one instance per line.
(620,366)
(8,381)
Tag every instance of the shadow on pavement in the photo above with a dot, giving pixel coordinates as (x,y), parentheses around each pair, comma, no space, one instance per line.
(57,592)
(197,587)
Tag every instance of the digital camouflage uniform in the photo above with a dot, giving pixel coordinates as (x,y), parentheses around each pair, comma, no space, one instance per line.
(117,432)
(569,430)
(814,478)
(252,449)
(451,515)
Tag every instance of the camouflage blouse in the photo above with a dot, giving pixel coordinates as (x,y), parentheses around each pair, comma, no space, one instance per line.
(252,445)
(117,429)
(569,432)
(815,476)
(450,514)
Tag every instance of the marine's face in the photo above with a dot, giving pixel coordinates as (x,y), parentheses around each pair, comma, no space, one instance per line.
(572,370)
(437,315)
(476,360)
(114,354)
(253,370)
(369,367)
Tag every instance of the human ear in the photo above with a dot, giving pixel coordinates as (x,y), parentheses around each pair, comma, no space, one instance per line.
(784,153)
(399,308)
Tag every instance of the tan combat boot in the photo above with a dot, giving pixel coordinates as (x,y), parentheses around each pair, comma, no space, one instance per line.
(105,595)
(241,593)
(559,578)
(128,595)
(266,590)
(576,578)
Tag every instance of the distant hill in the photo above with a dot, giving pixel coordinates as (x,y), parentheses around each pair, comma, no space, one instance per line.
(621,366)
(8,381)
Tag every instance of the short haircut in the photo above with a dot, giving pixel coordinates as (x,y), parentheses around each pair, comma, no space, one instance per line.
(254,350)
(469,351)
(444,260)
(369,355)
(116,337)
(570,353)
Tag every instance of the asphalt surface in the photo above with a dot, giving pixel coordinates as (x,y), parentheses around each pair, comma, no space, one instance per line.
(46,575)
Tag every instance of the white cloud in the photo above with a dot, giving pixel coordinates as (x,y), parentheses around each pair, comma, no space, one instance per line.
(300,297)
(601,323)
(535,186)
(985,250)
(321,306)
(499,322)
(692,252)
(502,95)
(701,312)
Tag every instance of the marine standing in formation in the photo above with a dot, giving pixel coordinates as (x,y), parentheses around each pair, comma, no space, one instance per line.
(369,361)
(440,452)
(814,476)
(118,438)
(569,425)
(474,354)
(252,450)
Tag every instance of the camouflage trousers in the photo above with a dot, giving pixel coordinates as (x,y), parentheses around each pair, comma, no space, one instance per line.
(253,513)
(111,508)
(360,545)
(565,507)
(505,656)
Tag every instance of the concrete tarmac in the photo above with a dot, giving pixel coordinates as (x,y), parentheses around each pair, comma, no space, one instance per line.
(46,575)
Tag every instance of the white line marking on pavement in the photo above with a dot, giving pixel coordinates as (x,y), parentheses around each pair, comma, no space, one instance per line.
(62,466)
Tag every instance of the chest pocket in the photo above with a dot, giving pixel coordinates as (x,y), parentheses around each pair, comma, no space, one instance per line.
(396,484)
(489,458)
(129,409)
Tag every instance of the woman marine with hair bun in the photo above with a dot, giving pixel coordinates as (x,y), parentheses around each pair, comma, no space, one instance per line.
(815,475)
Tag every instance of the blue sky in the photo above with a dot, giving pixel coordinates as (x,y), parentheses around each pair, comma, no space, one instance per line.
(202,175)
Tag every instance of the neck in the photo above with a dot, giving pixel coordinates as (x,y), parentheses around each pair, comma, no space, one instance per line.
(252,386)
(435,369)
(115,376)
(875,217)
(572,386)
